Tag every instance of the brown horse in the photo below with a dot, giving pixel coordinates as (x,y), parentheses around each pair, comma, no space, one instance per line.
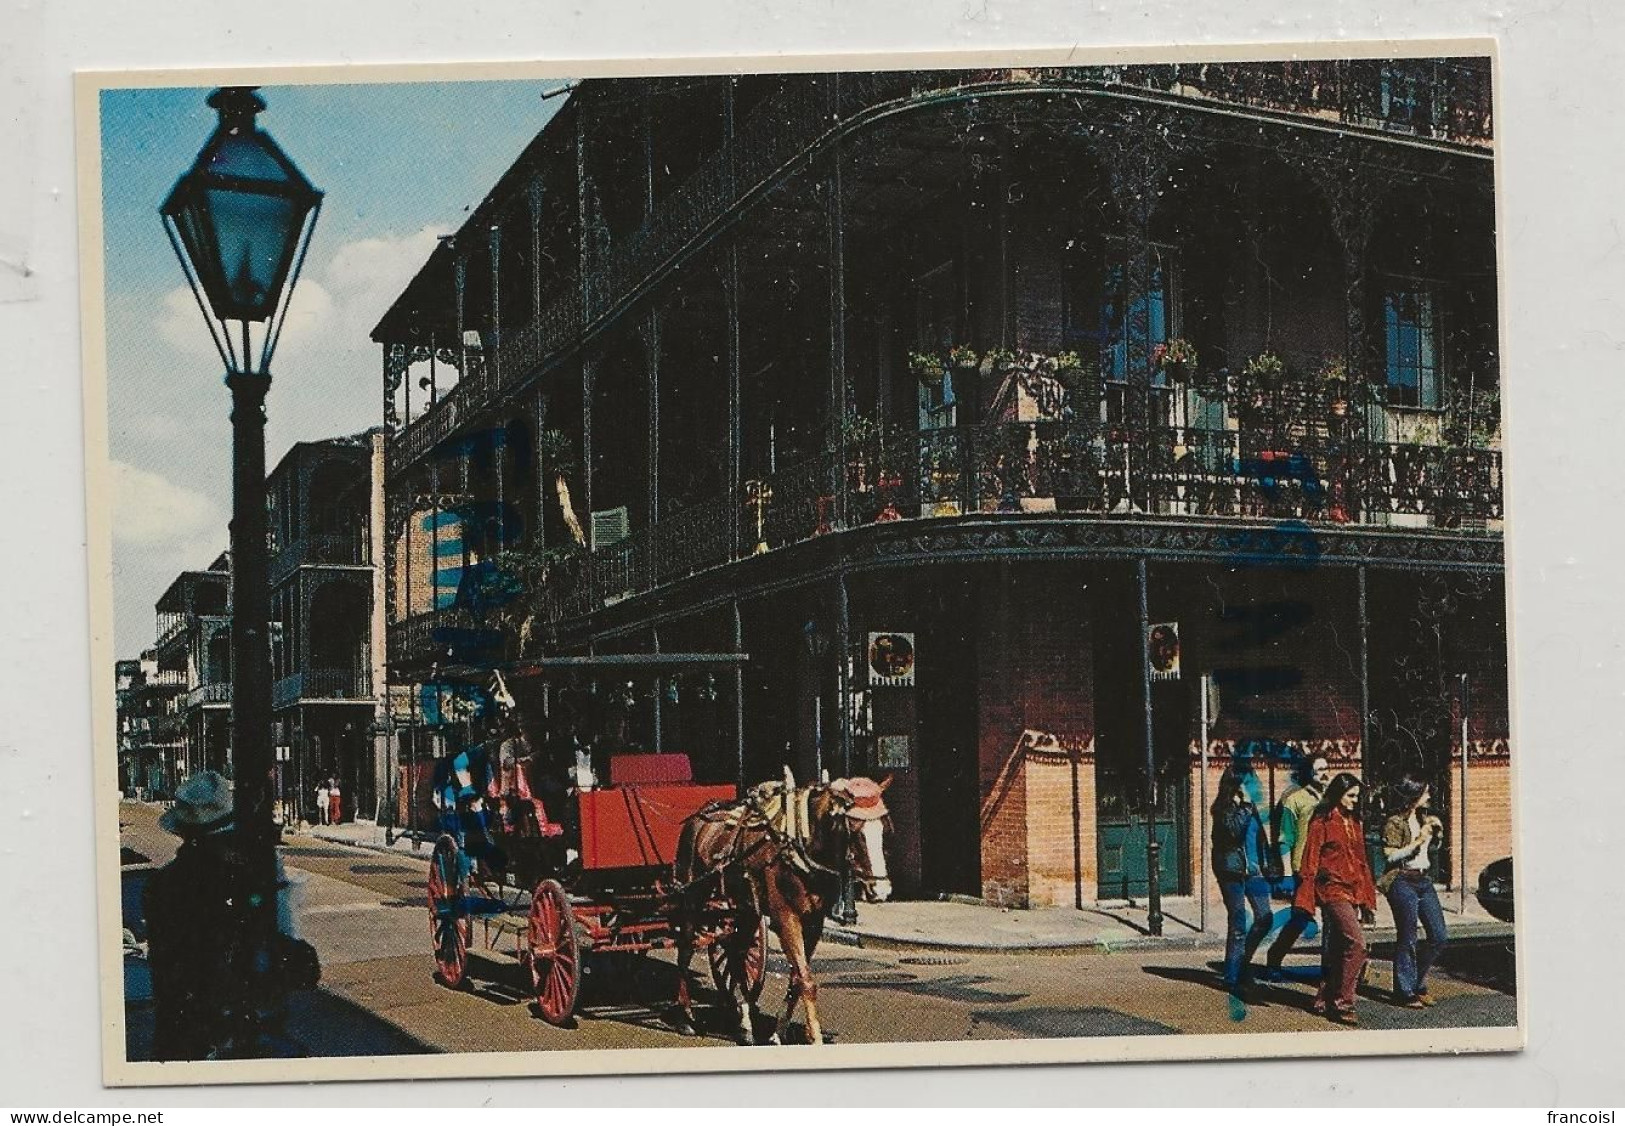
(779,855)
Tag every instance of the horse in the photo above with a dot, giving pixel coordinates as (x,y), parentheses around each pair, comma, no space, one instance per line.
(781,855)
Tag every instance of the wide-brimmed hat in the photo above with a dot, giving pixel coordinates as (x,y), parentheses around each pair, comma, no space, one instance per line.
(863,798)
(203,802)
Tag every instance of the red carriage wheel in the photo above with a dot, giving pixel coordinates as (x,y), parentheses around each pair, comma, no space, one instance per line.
(741,960)
(448,911)
(555,954)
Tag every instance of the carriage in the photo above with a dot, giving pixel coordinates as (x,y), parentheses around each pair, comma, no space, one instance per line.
(577,876)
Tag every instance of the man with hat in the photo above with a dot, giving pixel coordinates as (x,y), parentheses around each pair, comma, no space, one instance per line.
(200,982)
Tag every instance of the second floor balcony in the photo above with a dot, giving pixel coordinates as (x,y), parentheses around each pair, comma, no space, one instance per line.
(216,695)
(342,549)
(322,685)
(1045,471)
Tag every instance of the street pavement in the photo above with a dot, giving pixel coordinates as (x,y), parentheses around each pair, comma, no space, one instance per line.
(365,911)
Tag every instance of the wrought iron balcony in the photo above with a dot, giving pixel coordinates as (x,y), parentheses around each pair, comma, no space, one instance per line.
(1437,100)
(209,695)
(345,549)
(322,684)
(1047,467)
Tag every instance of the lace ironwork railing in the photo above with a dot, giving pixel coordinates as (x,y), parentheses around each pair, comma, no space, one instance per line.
(1447,100)
(322,684)
(332,549)
(1045,467)
(206,695)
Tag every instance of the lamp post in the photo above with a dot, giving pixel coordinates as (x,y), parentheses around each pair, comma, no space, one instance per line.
(240,221)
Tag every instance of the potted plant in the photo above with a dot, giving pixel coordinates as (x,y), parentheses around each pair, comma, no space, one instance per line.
(962,357)
(1336,387)
(1000,360)
(927,368)
(1264,372)
(1176,358)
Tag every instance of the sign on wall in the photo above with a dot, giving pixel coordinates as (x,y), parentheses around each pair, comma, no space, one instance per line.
(1164,647)
(891,660)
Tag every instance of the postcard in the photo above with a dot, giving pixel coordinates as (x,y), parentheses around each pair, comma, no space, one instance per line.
(823,563)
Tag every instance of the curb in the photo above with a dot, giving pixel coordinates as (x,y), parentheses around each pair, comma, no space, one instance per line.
(1471,931)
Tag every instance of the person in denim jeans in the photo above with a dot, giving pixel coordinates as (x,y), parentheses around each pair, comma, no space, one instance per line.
(1406,839)
(1238,864)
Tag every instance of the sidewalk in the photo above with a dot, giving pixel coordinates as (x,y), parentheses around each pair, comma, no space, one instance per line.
(962,923)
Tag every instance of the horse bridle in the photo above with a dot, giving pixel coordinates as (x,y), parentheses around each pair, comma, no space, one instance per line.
(853,828)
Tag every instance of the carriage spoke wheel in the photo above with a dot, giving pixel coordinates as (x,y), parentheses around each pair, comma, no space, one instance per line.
(555,954)
(739,962)
(448,912)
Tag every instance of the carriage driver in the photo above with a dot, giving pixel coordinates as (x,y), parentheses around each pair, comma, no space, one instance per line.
(460,786)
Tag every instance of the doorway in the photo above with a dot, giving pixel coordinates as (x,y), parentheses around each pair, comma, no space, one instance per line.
(1122,808)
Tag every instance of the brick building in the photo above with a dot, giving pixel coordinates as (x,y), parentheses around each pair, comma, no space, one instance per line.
(1004,418)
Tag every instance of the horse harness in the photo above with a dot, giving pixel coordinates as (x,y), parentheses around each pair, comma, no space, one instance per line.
(783,814)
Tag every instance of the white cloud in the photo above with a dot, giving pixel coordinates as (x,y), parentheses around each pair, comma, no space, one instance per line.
(181,324)
(334,308)
(369,274)
(150,511)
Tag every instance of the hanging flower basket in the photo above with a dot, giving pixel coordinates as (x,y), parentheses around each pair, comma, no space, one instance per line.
(928,369)
(1177,359)
(962,357)
(1265,372)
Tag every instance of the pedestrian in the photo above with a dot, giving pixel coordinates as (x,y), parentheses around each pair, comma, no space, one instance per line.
(321,803)
(204,1003)
(335,804)
(1239,851)
(1407,837)
(1290,822)
(1336,878)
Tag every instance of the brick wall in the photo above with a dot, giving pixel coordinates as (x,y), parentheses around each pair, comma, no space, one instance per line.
(1489,812)
(1037,790)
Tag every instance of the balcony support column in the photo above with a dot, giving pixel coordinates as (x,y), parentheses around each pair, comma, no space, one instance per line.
(1153,847)
(649,334)
(734,486)
(1361,577)
(534,197)
(589,377)
(843,679)
(839,410)
(1137,170)
(460,273)
(738,675)
(660,697)
(538,413)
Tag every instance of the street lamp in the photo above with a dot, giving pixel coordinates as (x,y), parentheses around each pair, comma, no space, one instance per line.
(240,222)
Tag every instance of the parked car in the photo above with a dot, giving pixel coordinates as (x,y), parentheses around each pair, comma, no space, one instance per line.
(1495,889)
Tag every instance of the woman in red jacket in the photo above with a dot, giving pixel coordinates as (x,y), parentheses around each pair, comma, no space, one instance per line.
(1337,879)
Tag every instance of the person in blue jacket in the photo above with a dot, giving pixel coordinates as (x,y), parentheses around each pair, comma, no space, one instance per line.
(1239,850)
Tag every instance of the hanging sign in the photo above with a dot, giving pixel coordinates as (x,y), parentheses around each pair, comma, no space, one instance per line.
(891,660)
(1164,648)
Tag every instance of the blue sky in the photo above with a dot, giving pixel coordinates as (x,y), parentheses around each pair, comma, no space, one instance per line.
(400,163)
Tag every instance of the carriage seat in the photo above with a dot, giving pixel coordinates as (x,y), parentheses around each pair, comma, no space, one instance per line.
(650,770)
(522,794)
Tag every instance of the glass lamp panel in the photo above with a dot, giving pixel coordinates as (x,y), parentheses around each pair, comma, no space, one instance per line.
(250,155)
(255,237)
